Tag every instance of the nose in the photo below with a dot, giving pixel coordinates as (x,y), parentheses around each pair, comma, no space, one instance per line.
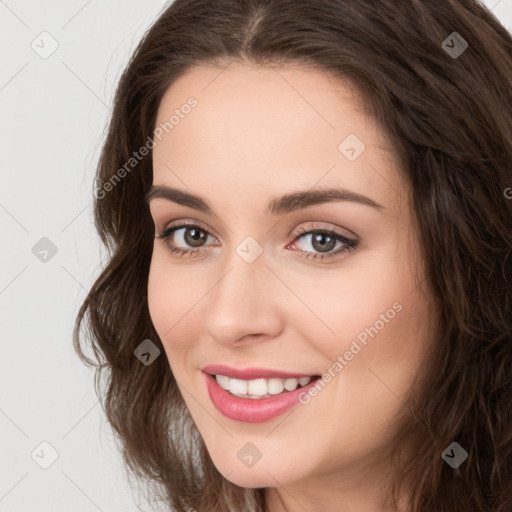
(244,304)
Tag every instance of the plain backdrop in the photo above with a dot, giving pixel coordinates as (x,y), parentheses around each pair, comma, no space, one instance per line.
(59,64)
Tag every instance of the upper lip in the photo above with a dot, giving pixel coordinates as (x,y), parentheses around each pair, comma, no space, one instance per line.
(251,373)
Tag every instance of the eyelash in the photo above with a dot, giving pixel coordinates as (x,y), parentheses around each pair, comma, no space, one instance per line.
(350,244)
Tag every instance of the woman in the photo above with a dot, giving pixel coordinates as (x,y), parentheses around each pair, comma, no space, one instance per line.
(307,301)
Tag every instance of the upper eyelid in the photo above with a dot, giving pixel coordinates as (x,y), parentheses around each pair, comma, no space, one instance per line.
(193,221)
(186,224)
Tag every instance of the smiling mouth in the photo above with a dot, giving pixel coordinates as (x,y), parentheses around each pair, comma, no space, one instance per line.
(254,395)
(262,388)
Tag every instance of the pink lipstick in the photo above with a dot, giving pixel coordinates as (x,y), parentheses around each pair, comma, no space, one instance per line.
(270,400)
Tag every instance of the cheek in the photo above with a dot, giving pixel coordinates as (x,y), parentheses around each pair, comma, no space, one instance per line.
(159,294)
(383,327)
(371,301)
(169,302)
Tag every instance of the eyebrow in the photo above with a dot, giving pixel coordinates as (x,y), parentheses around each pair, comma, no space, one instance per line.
(280,205)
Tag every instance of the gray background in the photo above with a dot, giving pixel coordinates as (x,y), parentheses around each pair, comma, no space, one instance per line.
(53,114)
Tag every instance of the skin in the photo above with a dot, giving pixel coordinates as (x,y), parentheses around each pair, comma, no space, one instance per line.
(258,133)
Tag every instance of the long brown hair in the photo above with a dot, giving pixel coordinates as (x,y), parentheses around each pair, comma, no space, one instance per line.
(449,118)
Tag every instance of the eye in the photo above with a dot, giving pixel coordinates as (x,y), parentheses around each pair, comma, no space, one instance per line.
(190,240)
(324,241)
(189,235)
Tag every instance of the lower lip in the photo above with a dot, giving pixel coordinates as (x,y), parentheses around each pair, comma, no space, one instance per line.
(252,410)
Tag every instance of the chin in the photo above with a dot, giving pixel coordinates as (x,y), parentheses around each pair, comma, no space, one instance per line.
(263,474)
(249,480)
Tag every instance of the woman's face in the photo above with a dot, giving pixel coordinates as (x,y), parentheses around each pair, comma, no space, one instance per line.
(266,292)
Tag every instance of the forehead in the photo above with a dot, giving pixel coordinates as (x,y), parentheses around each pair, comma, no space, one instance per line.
(271,103)
(257,125)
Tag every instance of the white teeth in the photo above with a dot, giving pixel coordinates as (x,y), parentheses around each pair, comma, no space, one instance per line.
(290,384)
(304,380)
(238,386)
(223,381)
(257,387)
(275,386)
(260,388)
